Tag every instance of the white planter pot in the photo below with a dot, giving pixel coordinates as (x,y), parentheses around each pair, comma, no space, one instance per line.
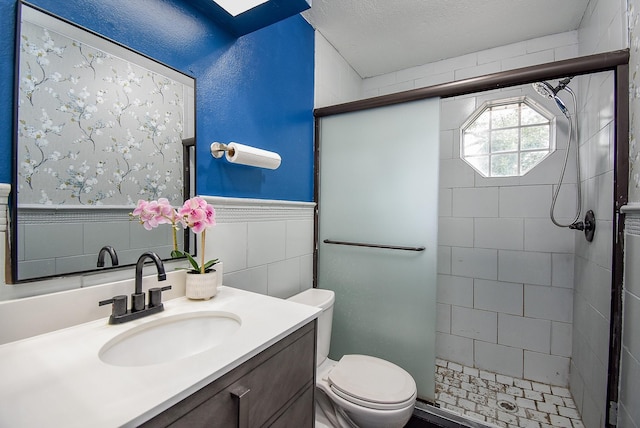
(201,287)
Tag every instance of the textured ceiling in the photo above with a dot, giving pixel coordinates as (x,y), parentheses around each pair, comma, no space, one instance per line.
(381,36)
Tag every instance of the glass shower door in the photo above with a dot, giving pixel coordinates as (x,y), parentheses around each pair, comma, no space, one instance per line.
(379,186)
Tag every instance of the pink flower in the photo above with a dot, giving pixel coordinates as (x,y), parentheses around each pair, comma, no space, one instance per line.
(197,214)
(154,213)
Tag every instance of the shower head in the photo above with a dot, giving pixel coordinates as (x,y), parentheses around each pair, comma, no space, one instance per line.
(562,106)
(546,90)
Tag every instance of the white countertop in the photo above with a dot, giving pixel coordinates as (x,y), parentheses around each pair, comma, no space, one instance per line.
(58,380)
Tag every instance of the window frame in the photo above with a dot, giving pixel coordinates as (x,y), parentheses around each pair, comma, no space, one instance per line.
(529,102)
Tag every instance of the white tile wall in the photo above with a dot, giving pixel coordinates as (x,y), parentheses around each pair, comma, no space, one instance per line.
(630,372)
(266,246)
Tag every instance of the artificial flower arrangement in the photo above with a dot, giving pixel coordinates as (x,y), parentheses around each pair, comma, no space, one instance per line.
(195,214)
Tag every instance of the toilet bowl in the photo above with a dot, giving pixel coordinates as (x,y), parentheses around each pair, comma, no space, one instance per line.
(358,390)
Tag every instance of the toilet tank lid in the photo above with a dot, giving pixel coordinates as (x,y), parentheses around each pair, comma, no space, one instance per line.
(315,297)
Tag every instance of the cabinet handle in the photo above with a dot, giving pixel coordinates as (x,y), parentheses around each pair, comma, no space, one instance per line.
(241,395)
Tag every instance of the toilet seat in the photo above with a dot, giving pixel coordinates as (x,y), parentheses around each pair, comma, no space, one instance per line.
(372,382)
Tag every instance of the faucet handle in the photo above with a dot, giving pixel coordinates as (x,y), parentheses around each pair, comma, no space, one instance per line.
(155,295)
(119,307)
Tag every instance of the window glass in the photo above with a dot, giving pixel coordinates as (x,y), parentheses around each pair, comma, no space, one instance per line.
(507,138)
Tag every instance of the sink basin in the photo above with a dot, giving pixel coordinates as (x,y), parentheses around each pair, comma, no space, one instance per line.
(170,338)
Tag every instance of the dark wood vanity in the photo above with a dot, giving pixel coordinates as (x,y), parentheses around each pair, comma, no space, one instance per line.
(275,388)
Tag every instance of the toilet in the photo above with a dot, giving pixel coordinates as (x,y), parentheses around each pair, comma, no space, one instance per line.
(358,390)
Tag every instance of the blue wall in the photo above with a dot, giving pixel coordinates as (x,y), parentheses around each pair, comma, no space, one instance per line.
(255,90)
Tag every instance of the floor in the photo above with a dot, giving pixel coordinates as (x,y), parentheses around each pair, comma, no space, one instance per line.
(503,401)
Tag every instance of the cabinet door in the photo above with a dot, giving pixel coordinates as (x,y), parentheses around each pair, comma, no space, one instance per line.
(277,385)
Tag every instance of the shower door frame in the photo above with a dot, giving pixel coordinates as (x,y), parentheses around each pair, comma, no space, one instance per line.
(616,61)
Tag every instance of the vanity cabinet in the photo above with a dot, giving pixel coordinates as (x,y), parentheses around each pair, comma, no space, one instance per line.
(275,388)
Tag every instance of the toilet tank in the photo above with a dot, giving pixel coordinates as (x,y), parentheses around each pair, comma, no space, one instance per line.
(322,299)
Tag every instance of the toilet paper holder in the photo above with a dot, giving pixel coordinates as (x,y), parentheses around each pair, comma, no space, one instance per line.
(245,155)
(218,149)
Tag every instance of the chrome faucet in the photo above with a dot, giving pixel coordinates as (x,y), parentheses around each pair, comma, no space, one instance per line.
(107,249)
(119,312)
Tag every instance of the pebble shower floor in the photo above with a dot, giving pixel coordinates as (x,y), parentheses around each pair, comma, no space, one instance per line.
(503,401)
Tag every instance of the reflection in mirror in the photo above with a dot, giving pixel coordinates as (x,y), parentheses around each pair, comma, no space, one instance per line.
(99,127)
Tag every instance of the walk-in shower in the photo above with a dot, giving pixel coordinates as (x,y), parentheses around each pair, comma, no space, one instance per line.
(549,91)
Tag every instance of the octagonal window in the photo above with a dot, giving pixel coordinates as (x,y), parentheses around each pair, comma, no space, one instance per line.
(507,138)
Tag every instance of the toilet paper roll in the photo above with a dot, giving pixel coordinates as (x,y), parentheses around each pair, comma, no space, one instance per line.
(246,155)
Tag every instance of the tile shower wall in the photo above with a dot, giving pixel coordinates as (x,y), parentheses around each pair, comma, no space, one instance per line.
(603,28)
(265,246)
(592,285)
(505,271)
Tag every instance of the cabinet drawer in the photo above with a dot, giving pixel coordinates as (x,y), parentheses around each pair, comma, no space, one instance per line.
(276,380)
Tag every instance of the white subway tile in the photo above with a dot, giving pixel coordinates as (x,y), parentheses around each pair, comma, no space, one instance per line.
(552,41)
(299,238)
(395,88)
(455,111)
(498,358)
(444,260)
(525,201)
(631,338)
(475,202)
(550,369)
(524,266)
(629,391)
(446,144)
(478,70)
(528,60)
(499,233)
(525,333)
(266,242)
(455,231)
(543,235)
(306,272)
(562,270)
(549,303)
(474,263)
(455,290)
(255,280)
(566,52)
(474,324)
(284,278)
(454,348)
(503,297)
(435,79)
(443,318)
(455,173)
(501,52)
(632,268)
(445,202)
(228,242)
(561,339)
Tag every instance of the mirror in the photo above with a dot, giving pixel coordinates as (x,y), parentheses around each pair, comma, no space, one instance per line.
(99,127)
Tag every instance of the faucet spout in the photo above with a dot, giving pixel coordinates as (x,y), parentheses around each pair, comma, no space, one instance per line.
(107,249)
(159,266)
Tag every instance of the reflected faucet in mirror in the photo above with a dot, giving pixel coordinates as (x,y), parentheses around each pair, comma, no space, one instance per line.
(107,249)
(119,312)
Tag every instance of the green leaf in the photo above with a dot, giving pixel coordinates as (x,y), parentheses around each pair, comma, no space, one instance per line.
(210,263)
(192,261)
